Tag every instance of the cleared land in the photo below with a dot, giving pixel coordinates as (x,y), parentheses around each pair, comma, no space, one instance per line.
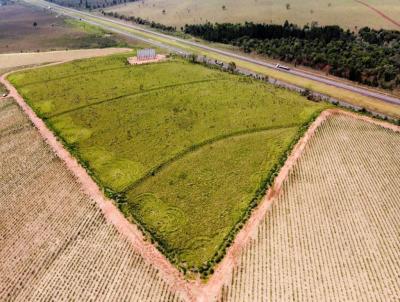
(18,32)
(333,232)
(54,241)
(169,140)
(18,60)
(350,14)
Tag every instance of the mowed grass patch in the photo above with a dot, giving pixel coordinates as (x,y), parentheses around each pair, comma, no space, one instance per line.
(150,128)
(88,82)
(180,146)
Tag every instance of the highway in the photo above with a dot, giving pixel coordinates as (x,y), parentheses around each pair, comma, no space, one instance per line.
(145,35)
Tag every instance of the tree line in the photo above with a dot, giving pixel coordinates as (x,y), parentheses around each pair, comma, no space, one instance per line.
(90,4)
(139,20)
(370,57)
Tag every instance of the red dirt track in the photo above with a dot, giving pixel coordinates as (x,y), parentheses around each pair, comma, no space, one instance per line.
(190,290)
(379,13)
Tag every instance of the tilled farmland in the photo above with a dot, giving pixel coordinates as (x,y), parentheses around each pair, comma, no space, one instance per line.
(54,241)
(333,234)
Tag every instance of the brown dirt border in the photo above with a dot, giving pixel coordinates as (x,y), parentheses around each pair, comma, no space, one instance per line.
(379,12)
(190,290)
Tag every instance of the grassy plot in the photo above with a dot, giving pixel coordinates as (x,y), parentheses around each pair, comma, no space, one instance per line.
(190,149)
(209,188)
(89,82)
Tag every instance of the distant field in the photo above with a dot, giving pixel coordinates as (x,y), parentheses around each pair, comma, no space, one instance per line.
(347,13)
(188,147)
(52,32)
(12,61)
(333,234)
(55,243)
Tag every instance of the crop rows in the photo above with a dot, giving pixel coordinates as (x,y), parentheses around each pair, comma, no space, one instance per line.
(333,234)
(54,242)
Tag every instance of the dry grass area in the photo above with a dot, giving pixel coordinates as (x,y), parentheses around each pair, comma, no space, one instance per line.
(333,234)
(54,241)
(14,60)
(342,12)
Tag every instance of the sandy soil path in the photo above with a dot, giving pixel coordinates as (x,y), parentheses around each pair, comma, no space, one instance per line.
(190,290)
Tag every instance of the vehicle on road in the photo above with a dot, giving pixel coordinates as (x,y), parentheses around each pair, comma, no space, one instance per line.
(279,66)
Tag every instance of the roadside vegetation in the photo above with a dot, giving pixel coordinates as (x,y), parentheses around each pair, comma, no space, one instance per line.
(140,21)
(370,57)
(369,103)
(186,151)
(90,4)
(2,88)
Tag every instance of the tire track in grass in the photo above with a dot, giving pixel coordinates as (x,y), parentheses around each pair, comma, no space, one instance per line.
(196,147)
(379,12)
(133,94)
(75,75)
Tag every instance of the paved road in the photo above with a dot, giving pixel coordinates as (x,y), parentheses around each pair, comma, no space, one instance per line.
(91,18)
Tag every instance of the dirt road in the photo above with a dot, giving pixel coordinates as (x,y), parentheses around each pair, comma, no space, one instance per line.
(383,15)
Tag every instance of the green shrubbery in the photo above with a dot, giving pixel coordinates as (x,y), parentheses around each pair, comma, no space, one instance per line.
(369,57)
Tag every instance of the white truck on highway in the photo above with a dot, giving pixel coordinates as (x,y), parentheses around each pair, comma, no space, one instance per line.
(279,66)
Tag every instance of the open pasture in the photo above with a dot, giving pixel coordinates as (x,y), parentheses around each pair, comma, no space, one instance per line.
(186,150)
(348,14)
(333,233)
(55,243)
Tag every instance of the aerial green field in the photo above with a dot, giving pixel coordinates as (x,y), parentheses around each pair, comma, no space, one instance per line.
(187,151)
(346,13)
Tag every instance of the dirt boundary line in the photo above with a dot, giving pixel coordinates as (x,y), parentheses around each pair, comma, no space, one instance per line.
(379,12)
(223,272)
(192,290)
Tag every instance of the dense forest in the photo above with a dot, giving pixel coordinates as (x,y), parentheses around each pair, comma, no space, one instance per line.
(89,4)
(370,57)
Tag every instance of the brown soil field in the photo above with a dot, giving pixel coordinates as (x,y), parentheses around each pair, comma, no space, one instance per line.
(18,60)
(332,234)
(52,32)
(55,243)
